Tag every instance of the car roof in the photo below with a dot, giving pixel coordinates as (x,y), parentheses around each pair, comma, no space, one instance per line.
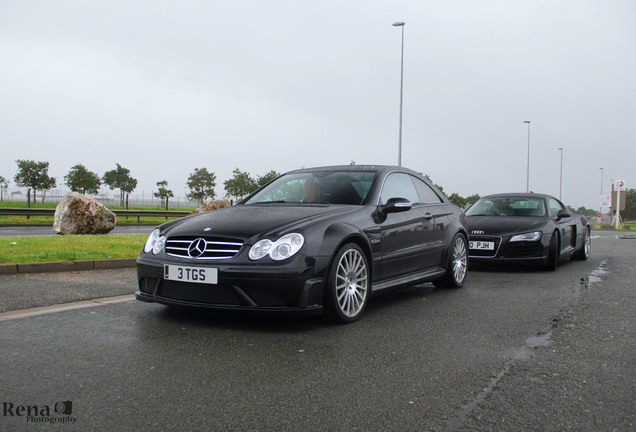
(518,195)
(357,168)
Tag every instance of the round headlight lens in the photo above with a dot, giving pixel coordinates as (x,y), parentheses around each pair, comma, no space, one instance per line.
(152,239)
(281,249)
(155,242)
(161,241)
(286,246)
(260,249)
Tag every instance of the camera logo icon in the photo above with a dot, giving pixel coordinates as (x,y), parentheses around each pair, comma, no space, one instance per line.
(65,407)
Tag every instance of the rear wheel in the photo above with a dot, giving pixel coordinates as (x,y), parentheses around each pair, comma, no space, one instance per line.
(583,254)
(457,266)
(348,284)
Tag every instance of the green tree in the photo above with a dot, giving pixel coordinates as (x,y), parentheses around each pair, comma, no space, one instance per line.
(34,176)
(239,185)
(164,193)
(457,199)
(201,184)
(120,178)
(4,184)
(472,199)
(584,211)
(267,177)
(629,214)
(81,180)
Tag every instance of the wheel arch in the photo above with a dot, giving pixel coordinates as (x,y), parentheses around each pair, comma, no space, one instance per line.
(449,241)
(339,234)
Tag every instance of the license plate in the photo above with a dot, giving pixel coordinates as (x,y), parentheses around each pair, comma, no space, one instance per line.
(481,245)
(203,275)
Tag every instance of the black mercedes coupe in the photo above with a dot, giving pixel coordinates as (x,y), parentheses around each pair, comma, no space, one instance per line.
(311,241)
(526,227)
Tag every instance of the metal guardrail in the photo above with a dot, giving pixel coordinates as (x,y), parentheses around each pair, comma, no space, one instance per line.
(119,213)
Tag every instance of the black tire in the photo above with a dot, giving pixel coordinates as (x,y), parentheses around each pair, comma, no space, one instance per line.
(457,266)
(348,285)
(583,254)
(553,253)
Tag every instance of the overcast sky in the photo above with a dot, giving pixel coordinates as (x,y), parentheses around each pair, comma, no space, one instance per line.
(163,87)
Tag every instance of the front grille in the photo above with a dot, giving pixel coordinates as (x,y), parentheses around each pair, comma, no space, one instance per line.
(198,293)
(202,248)
(485,253)
(522,249)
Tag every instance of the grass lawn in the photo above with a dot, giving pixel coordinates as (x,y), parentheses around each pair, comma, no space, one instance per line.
(17,249)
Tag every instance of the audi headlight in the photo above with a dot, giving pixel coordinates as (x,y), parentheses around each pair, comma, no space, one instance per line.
(531,236)
(283,248)
(155,242)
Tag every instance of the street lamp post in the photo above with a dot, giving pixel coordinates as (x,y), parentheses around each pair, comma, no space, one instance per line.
(561,175)
(600,212)
(528,164)
(401,24)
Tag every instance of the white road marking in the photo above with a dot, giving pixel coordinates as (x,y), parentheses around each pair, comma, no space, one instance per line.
(37,311)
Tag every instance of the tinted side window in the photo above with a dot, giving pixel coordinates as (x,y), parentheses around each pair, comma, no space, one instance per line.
(555,206)
(426,194)
(399,185)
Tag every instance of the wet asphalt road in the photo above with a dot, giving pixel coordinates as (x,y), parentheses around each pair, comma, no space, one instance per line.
(515,349)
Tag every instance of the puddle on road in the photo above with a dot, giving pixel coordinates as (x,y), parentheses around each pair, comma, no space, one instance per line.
(540,340)
(598,273)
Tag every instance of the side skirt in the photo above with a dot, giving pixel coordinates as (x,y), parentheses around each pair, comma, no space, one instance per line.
(410,279)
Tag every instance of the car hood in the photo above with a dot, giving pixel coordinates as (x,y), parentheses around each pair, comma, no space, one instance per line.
(504,225)
(247,221)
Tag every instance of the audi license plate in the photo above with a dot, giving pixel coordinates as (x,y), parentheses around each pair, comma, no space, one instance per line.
(202,275)
(481,245)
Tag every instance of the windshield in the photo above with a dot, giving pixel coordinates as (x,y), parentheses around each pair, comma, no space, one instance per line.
(508,206)
(328,187)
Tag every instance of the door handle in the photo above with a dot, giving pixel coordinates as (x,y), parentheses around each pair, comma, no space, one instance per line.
(428,216)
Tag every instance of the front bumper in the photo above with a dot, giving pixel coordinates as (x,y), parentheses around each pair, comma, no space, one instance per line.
(506,251)
(275,289)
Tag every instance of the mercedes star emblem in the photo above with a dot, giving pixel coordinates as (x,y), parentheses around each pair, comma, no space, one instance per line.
(197,247)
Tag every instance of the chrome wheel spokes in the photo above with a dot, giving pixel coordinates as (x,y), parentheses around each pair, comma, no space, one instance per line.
(352,281)
(460,260)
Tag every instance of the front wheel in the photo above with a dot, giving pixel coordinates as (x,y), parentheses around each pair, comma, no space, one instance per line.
(348,283)
(457,266)
(553,252)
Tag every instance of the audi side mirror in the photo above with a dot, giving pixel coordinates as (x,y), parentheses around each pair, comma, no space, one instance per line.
(562,214)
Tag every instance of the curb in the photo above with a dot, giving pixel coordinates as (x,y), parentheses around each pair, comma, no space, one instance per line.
(61,266)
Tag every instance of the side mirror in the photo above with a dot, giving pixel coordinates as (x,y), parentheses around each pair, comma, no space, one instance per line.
(396,205)
(562,214)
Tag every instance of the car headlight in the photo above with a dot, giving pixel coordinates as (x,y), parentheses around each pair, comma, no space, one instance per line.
(155,242)
(531,236)
(283,248)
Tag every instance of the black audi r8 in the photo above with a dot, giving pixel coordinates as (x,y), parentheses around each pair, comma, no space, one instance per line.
(528,228)
(311,241)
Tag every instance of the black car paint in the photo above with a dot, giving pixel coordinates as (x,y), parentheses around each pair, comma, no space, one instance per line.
(570,229)
(405,246)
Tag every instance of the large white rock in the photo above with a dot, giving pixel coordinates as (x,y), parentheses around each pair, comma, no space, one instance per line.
(78,214)
(212,205)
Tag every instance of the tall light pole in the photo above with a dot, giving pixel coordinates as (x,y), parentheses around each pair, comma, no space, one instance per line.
(600,211)
(401,24)
(561,176)
(528,165)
